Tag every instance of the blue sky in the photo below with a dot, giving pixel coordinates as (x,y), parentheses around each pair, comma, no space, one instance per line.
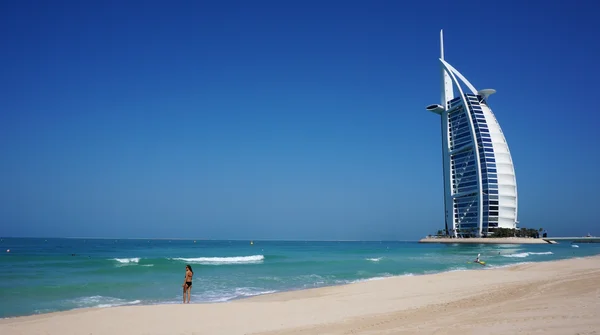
(283,119)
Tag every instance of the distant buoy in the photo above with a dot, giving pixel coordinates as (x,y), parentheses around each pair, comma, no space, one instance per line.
(251,242)
(7,250)
(194,241)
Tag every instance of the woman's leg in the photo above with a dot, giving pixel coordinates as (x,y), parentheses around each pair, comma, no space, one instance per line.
(184,291)
(189,291)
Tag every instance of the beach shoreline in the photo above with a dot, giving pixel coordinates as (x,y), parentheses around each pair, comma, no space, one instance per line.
(554,295)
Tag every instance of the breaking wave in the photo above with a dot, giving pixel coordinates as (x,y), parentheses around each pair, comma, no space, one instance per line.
(127,260)
(255,259)
(99,301)
(527,254)
(374,259)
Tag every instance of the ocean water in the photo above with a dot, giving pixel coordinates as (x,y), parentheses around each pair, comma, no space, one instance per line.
(47,275)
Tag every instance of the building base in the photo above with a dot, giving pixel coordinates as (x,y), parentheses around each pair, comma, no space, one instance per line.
(487,240)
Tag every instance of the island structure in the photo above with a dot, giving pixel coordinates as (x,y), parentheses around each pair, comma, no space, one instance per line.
(511,240)
(488,240)
(480,188)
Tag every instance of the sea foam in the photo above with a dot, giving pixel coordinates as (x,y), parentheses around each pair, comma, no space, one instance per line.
(527,254)
(223,295)
(127,260)
(101,302)
(255,259)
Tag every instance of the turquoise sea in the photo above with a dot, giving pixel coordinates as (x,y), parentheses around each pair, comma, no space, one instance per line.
(46,275)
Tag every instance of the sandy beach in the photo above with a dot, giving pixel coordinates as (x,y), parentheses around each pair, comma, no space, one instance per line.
(558,297)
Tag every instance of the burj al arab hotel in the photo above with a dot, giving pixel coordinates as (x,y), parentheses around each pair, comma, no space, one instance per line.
(480,188)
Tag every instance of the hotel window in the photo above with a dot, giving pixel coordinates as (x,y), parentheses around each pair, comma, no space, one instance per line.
(460,143)
(462,134)
(462,140)
(464,180)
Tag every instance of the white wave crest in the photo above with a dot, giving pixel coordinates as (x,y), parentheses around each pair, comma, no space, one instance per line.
(231,294)
(519,255)
(223,260)
(374,259)
(101,302)
(527,254)
(380,277)
(127,260)
(134,302)
(489,267)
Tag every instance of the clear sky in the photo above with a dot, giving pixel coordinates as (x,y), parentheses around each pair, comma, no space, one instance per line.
(283,119)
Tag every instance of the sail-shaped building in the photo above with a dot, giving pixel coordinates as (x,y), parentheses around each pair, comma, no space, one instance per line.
(480,188)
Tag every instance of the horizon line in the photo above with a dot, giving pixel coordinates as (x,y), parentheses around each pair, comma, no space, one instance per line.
(205,239)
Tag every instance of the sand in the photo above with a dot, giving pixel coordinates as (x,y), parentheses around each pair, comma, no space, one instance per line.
(559,297)
(487,240)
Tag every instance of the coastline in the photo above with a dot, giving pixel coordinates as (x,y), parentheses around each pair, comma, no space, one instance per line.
(487,240)
(555,296)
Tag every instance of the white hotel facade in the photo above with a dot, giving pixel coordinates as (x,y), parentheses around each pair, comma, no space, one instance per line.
(480,188)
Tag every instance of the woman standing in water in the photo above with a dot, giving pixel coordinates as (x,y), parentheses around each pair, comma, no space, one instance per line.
(187,283)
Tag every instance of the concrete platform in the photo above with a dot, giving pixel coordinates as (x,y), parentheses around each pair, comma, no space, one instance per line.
(487,240)
(583,239)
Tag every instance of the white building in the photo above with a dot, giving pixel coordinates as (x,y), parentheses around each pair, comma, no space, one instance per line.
(480,188)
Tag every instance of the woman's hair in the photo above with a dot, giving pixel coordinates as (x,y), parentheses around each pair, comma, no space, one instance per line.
(190,267)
